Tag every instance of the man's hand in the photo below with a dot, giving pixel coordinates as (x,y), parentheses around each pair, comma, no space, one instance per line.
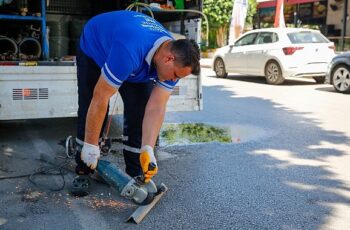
(148,162)
(90,155)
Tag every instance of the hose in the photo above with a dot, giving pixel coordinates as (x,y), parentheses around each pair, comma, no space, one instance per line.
(4,2)
(29,49)
(137,5)
(8,48)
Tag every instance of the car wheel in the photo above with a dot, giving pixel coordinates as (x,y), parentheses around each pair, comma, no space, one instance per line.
(320,79)
(341,78)
(273,73)
(219,68)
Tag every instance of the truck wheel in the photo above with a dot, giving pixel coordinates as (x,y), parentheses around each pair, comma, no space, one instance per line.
(219,68)
(340,78)
(273,73)
(320,79)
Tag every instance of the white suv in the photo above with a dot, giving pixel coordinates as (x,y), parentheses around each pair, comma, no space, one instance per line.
(276,53)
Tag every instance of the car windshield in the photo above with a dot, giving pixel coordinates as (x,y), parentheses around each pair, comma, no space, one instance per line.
(306,37)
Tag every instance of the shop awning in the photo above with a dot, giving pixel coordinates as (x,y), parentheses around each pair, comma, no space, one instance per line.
(266,4)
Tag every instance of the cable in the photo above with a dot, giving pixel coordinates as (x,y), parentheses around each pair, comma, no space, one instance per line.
(18,176)
(53,170)
(14,177)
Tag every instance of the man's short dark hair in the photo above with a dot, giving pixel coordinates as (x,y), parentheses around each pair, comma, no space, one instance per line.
(186,53)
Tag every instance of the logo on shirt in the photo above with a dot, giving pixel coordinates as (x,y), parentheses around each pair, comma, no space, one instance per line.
(150,23)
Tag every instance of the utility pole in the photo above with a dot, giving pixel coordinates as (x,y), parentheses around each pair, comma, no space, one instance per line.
(343,31)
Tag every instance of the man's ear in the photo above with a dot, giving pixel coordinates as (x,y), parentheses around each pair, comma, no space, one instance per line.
(170,57)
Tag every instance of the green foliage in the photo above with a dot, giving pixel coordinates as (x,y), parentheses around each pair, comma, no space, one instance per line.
(212,39)
(218,12)
(194,132)
(253,5)
(219,16)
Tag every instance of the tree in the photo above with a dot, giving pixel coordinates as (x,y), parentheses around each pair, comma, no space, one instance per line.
(219,16)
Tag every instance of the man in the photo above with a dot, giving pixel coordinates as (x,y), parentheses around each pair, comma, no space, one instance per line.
(132,54)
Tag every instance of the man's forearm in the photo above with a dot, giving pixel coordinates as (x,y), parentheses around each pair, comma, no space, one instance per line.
(152,123)
(154,115)
(94,121)
(97,111)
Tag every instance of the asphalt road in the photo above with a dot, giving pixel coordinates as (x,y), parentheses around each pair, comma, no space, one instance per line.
(287,168)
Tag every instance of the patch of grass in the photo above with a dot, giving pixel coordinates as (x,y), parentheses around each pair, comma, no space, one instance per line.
(194,132)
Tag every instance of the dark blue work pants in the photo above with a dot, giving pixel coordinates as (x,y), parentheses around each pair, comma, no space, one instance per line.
(135,97)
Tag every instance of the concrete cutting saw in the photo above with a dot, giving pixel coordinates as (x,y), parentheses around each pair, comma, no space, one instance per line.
(144,194)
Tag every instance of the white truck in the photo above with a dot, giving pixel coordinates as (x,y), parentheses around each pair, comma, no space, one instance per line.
(46,87)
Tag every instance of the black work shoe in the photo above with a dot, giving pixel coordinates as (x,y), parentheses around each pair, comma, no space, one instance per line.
(80,186)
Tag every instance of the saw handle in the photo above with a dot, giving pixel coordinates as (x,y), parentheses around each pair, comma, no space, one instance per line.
(152,166)
(141,178)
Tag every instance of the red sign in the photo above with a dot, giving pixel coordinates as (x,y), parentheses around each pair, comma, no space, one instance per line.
(274,3)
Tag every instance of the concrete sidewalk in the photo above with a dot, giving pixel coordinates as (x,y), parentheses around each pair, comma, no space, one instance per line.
(206,62)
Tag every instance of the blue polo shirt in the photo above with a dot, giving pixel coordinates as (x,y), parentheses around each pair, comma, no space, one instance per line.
(123,43)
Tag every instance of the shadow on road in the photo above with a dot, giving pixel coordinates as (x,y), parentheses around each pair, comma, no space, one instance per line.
(261,80)
(327,89)
(291,179)
(47,203)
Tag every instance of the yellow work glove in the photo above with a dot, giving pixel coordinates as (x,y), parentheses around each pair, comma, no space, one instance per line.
(148,163)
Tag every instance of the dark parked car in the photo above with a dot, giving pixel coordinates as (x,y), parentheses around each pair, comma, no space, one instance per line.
(338,73)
